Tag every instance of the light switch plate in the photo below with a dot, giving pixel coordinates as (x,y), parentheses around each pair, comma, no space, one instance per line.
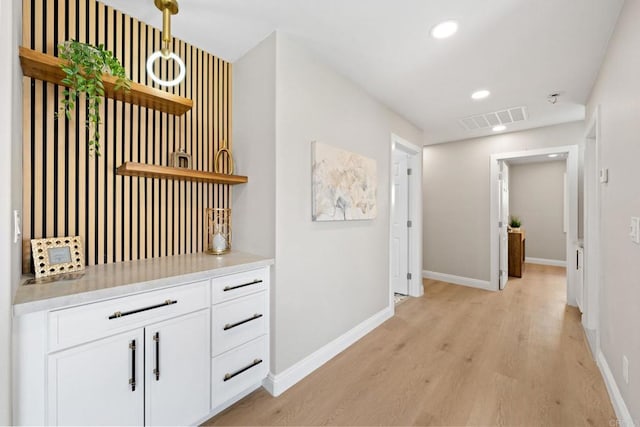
(604,175)
(17,232)
(625,369)
(634,233)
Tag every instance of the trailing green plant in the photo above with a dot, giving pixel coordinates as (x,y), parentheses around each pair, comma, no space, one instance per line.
(515,222)
(84,65)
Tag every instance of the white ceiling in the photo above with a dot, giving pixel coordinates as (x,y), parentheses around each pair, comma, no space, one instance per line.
(521,50)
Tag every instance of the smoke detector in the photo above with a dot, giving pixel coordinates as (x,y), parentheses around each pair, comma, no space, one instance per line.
(552,98)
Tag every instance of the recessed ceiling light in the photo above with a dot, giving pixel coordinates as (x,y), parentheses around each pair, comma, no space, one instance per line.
(444,30)
(499,128)
(552,155)
(480,94)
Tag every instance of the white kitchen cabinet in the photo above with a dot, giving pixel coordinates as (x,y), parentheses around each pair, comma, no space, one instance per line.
(155,374)
(240,335)
(100,383)
(109,382)
(177,370)
(239,370)
(145,357)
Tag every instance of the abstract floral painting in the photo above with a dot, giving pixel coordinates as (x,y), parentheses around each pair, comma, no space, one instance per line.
(344,184)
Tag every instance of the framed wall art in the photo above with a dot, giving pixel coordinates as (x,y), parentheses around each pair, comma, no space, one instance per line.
(344,184)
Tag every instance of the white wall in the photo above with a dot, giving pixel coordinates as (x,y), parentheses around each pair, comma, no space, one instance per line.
(617,91)
(254,151)
(254,139)
(11,188)
(536,196)
(329,276)
(456,178)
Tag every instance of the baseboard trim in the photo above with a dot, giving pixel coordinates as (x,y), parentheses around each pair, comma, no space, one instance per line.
(622,412)
(592,338)
(543,261)
(458,280)
(279,383)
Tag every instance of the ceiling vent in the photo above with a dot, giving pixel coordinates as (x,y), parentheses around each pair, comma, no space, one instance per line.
(489,120)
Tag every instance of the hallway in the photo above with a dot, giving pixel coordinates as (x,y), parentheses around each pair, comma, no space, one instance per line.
(457,356)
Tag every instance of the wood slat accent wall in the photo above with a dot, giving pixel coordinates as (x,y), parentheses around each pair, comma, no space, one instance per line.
(68,192)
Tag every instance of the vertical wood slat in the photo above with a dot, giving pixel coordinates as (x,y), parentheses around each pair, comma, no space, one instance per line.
(137,40)
(27,122)
(115,155)
(214,120)
(66,191)
(91,214)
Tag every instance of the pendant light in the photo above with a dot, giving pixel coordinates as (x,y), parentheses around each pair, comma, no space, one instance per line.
(168,8)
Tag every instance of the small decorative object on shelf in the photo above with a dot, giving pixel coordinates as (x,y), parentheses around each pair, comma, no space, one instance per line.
(217,166)
(180,159)
(57,255)
(218,228)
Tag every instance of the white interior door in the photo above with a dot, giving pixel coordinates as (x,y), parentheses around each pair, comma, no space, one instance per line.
(579,278)
(591,265)
(399,224)
(503,191)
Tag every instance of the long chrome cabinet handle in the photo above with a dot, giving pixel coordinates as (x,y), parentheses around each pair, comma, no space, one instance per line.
(242,322)
(230,288)
(132,380)
(156,370)
(119,314)
(256,362)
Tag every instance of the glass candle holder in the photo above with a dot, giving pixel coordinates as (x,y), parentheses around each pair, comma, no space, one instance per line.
(218,231)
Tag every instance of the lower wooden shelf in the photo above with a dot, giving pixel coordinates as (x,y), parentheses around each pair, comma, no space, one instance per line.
(153,171)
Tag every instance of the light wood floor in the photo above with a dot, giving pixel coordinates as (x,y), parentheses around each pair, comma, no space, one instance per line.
(457,356)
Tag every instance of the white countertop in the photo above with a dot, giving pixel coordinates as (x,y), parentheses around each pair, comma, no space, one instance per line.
(111,280)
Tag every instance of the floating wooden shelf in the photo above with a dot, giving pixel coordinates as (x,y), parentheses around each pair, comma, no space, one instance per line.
(47,67)
(153,171)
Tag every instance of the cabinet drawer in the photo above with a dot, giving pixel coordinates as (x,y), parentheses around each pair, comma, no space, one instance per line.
(239,369)
(72,326)
(238,321)
(240,284)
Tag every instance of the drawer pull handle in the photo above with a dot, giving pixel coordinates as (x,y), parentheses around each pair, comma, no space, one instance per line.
(156,370)
(119,314)
(132,380)
(242,322)
(256,362)
(230,288)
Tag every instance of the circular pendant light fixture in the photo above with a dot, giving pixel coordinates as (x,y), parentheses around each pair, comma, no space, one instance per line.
(168,8)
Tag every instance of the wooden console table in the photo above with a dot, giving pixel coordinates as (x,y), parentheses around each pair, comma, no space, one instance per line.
(516,252)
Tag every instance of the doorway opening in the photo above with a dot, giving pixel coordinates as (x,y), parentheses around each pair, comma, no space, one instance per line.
(405,219)
(499,221)
(590,231)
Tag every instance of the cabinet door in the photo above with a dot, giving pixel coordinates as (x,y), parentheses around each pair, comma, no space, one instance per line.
(177,370)
(100,383)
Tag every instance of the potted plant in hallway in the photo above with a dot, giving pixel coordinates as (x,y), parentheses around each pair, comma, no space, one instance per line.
(514,222)
(84,65)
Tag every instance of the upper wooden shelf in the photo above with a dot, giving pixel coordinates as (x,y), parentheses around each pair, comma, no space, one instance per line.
(47,67)
(153,171)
